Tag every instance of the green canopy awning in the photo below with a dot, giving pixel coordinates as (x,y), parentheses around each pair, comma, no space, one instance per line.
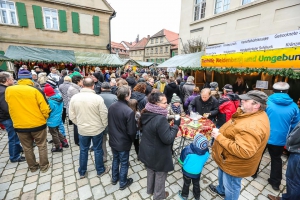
(4,58)
(91,58)
(39,54)
(183,60)
(145,64)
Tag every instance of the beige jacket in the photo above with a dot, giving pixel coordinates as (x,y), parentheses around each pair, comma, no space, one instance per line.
(239,147)
(88,111)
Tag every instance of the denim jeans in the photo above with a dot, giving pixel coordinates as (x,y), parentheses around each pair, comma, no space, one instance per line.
(85,142)
(120,157)
(292,178)
(62,129)
(229,185)
(14,147)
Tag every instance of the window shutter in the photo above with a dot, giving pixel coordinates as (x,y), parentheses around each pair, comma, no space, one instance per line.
(75,22)
(38,17)
(62,21)
(96,25)
(21,10)
(3,66)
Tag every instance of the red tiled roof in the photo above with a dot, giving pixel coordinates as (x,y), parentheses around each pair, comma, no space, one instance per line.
(117,45)
(140,45)
(129,44)
(171,36)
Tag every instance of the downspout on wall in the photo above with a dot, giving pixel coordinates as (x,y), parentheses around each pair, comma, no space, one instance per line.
(108,46)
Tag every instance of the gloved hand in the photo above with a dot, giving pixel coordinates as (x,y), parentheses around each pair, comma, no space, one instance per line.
(177,122)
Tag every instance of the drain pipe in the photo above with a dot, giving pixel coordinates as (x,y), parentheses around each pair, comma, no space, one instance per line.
(108,47)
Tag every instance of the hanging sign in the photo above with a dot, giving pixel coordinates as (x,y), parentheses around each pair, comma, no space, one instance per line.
(276,41)
(277,58)
(261,84)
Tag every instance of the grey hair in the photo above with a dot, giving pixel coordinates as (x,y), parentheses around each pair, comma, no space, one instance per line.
(4,76)
(123,92)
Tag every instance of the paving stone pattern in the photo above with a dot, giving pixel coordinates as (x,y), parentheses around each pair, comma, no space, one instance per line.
(62,181)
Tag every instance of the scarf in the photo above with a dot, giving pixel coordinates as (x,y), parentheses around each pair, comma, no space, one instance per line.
(156,109)
(176,110)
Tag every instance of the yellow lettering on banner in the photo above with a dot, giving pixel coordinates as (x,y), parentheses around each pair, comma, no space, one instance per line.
(277,58)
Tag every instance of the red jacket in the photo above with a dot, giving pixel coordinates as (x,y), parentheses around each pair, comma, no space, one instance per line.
(228,105)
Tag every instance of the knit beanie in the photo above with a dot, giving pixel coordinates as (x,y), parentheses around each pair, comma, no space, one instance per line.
(51,82)
(48,90)
(200,142)
(175,99)
(23,74)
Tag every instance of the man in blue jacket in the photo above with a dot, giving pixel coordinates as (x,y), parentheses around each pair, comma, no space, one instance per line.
(192,158)
(284,115)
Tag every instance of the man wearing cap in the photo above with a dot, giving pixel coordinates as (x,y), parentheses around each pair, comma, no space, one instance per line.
(97,83)
(240,143)
(228,104)
(161,84)
(29,111)
(284,115)
(14,147)
(131,80)
(109,99)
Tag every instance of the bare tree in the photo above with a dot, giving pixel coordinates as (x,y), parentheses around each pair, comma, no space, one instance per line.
(193,45)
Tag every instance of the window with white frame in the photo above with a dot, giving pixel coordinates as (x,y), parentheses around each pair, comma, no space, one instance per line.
(8,13)
(156,40)
(221,5)
(167,49)
(161,39)
(156,50)
(199,9)
(161,50)
(50,18)
(246,1)
(151,41)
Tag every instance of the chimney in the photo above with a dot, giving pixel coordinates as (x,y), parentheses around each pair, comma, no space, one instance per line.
(148,36)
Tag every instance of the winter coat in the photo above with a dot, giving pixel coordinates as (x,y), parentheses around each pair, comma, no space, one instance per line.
(160,86)
(88,111)
(109,99)
(187,90)
(63,89)
(61,81)
(28,106)
(114,90)
(4,114)
(240,89)
(293,140)
(284,116)
(192,160)
(97,87)
(107,77)
(170,89)
(228,105)
(148,89)
(72,90)
(171,114)
(131,82)
(56,106)
(99,76)
(140,97)
(210,106)
(239,147)
(121,126)
(156,143)
(190,99)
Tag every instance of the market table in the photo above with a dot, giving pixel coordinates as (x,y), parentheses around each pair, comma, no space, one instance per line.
(188,129)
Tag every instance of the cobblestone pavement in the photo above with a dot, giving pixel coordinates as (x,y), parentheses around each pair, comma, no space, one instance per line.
(62,179)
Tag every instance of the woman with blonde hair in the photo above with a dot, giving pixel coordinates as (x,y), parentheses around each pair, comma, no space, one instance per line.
(42,79)
(239,87)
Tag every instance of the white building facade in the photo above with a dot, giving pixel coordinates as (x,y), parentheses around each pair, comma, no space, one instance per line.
(223,21)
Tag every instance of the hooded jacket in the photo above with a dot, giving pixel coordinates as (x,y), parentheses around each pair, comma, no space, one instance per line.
(63,89)
(210,106)
(228,105)
(284,116)
(170,89)
(28,106)
(239,147)
(192,160)
(140,97)
(156,143)
(187,90)
(4,114)
(72,90)
(131,81)
(56,106)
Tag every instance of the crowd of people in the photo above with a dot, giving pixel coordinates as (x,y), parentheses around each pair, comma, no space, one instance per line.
(136,108)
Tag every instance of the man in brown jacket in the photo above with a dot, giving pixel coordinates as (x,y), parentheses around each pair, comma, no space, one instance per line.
(239,144)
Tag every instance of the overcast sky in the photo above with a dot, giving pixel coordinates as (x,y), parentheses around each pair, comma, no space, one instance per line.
(143,17)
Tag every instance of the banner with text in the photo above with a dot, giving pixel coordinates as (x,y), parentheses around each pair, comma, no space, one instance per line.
(277,58)
(276,41)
